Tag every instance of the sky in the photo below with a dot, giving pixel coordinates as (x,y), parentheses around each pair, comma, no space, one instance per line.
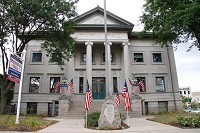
(187,63)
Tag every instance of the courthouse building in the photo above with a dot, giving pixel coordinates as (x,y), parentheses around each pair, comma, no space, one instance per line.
(131,57)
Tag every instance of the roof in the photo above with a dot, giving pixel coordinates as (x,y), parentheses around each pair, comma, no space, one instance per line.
(94,20)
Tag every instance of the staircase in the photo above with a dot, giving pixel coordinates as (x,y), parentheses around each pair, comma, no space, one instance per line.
(77,109)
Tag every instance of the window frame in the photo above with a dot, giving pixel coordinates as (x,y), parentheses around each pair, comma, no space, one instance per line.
(29,105)
(138,78)
(51,85)
(30,84)
(103,57)
(162,58)
(163,84)
(32,55)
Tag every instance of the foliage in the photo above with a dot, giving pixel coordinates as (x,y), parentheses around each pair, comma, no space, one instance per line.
(195,105)
(173,20)
(24,20)
(92,119)
(27,123)
(186,99)
(186,119)
(191,121)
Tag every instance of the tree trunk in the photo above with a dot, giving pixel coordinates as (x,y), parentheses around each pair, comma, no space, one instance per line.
(3,98)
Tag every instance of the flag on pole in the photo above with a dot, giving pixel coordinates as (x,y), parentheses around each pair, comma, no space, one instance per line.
(132,84)
(117,100)
(127,104)
(56,86)
(71,85)
(142,86)
(125,89)
(88,97)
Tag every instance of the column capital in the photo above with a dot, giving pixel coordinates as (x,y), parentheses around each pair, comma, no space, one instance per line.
(109,43)
(125,43)
(88,43)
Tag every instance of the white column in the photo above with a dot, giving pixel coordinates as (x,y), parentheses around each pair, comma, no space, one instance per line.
(108,69)
(89,62)
(126,60)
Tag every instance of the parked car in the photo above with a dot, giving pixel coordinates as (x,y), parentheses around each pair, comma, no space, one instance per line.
(192,110)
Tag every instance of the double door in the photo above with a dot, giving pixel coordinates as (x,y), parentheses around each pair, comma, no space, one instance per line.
(98,88)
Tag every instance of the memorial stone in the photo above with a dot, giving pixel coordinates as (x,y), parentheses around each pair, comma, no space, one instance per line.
(109,117)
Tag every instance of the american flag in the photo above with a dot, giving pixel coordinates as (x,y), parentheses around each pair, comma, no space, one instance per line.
(56,86)
(124,90)
(70,84)
(117,100)
(142,86)
(127,104)
(88,97)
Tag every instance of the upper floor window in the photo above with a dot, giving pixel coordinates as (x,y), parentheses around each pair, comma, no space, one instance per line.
(157,57)
(36,57)
(34,84)
(160,84)
(138,57)
(54,84)
(104,57)
(84,57)
(55,57)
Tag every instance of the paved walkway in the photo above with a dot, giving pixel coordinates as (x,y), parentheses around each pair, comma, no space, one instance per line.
(137,125)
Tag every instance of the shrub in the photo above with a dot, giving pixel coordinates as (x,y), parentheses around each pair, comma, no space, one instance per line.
(92,119)
(189,121)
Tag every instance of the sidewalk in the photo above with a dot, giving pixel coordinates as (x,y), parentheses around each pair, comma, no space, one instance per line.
(137,125)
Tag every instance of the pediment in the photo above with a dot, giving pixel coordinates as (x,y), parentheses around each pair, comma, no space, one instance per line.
(94,19)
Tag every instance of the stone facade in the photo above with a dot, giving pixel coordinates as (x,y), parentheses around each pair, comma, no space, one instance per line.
(132,57)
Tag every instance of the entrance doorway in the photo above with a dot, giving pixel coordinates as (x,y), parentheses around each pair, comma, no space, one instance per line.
(98,88)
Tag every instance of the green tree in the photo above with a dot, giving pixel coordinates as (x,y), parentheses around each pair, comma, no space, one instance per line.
(24,20)
(186,99)
(175,21)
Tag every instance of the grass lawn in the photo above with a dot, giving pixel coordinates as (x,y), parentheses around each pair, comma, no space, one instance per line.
(27,123)
(171,118)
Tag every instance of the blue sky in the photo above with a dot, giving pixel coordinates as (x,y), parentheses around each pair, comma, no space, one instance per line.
(187,63)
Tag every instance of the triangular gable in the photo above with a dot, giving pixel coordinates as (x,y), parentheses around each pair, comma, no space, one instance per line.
(94,18)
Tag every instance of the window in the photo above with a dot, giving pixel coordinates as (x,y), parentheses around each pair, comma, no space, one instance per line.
(160,84)
(80,84)
(181,92)
(104,57)
(163,106)
(138,57)
(55,57)
(141,83)
(37,57)
(84,58)
(115,84)
(50,109)
(184,92)
(34,84)
(157,57)
(188,92)
(31,108)
(54,84)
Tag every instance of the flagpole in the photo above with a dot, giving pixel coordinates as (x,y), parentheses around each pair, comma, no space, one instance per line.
(86,120)
(127,118)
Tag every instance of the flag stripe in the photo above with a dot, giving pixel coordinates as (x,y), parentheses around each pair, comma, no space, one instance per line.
(71,85)
(88,97)
(117,100)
